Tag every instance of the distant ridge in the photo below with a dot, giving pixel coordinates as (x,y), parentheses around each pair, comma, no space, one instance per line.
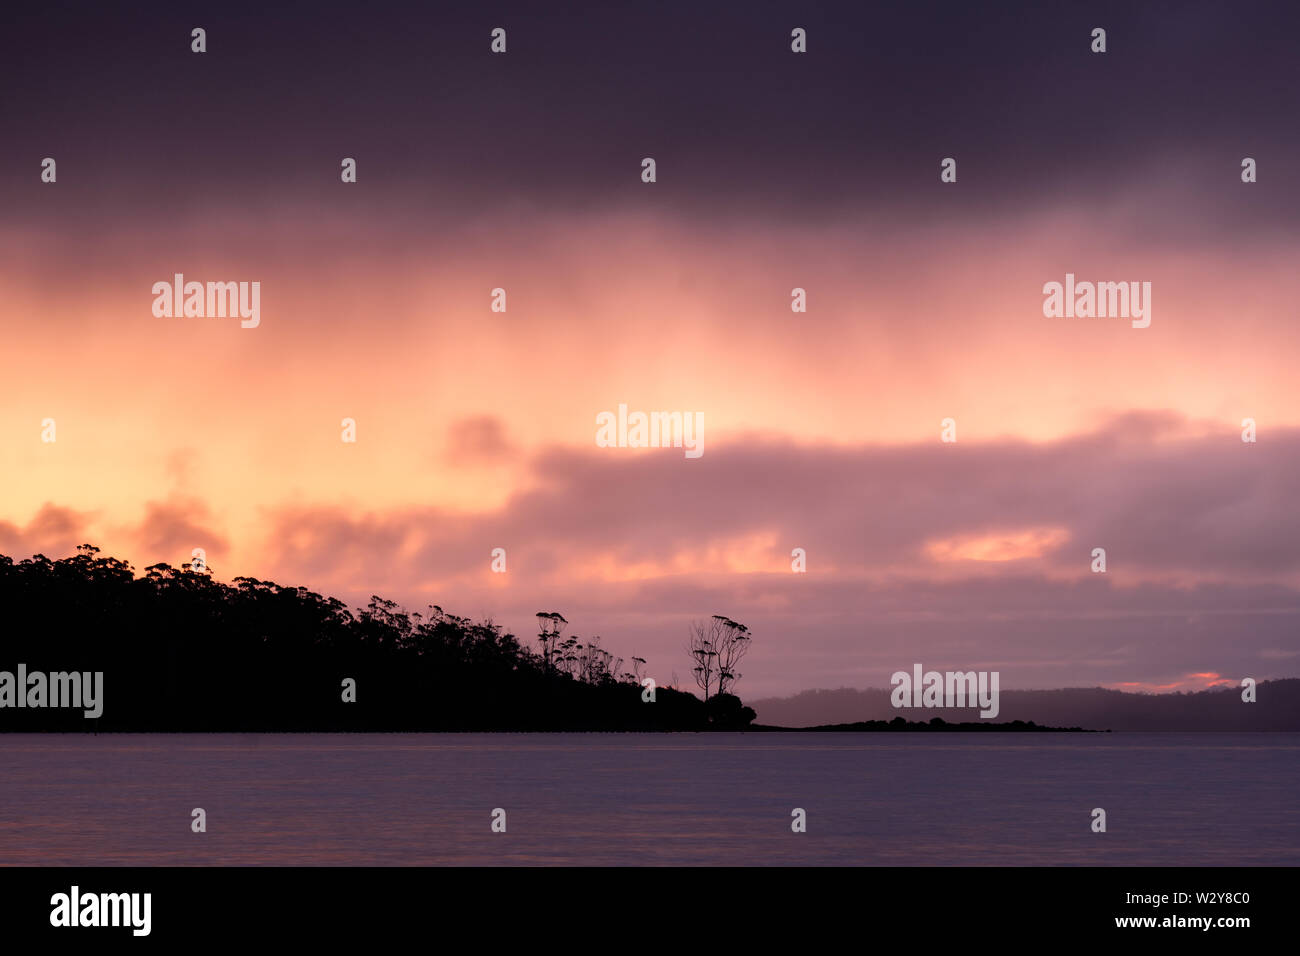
(1277,708)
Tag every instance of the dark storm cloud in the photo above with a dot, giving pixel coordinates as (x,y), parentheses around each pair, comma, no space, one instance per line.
(738,124)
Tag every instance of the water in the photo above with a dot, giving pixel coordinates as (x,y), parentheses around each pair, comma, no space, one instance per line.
(874,799)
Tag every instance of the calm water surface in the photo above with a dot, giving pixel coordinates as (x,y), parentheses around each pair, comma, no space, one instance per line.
(615,799)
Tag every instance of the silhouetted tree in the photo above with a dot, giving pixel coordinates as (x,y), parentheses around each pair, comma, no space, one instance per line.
(727,712)
(550,624)
(699,644)
(732,644)
(716,647)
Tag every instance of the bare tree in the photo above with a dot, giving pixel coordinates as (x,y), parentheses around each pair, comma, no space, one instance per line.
(549,626)
(716,647)
(699,644)
(732,644)
(597,665)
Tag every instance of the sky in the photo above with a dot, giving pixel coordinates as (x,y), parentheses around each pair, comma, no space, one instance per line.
(821,430)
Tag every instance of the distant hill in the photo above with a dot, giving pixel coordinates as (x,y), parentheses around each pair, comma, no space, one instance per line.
(1277,708)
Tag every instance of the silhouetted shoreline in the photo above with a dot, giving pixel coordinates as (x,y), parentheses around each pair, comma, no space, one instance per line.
(935,725)
(873,726)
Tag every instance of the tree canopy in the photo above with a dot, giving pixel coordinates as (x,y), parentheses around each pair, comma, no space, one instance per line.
(182,651)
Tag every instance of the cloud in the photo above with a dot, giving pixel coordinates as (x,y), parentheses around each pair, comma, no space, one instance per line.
(168,531)
(171,529)
(1202,542)
(53,531)
(479,440)
(974,555)
(1188,683)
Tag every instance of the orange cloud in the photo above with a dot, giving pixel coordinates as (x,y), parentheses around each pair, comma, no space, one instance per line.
(998,546)
(1187,683)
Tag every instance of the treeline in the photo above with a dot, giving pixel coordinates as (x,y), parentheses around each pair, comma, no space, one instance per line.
(181,651)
